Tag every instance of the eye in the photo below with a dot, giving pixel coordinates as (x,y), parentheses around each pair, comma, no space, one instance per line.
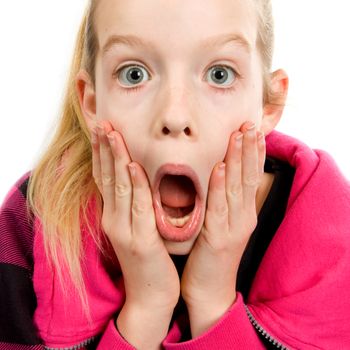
(131,75)
(222,75)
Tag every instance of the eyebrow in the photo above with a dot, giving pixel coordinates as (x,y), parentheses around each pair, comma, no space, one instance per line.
(212,42)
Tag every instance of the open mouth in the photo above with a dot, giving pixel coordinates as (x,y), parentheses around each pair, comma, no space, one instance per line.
(178,197)
(178,203)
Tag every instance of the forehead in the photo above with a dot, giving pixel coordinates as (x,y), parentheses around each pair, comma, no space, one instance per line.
(177,24)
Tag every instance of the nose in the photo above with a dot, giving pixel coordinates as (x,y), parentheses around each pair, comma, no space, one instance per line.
(176,115)
(176,129)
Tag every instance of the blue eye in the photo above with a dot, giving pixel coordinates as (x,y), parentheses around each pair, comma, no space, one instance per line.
(220,74)
(131,75)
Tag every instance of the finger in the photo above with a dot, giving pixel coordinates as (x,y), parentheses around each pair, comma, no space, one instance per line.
(216,218)
(261,152)
(107,169)
(234,191)
(143,220)
(123,186)
(96,162)
(250,170)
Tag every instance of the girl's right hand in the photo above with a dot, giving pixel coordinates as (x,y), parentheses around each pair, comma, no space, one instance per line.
(151,280)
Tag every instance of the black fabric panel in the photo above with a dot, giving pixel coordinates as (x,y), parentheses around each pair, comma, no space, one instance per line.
(23,188)
(269,219)
(17,305)
(93,345)
(16,228)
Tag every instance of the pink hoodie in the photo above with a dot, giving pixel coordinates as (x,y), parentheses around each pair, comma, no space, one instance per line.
(300,295)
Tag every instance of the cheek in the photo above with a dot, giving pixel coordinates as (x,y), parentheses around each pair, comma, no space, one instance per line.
(127,122)
(230,114)
(110,105)
(227,116)
(234,108)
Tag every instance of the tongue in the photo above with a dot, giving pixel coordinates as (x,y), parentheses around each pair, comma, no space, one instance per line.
(177,191)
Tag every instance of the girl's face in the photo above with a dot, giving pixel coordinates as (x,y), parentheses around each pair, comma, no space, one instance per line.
(176,78)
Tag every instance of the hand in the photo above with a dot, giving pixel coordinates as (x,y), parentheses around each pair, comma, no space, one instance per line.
(151,280)
(208,283)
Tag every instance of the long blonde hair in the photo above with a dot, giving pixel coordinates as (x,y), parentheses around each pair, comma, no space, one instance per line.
(61,185)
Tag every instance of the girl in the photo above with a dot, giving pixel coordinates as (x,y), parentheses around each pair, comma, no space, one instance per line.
(167,213)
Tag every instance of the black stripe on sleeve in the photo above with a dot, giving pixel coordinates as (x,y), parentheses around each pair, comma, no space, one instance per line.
(18,303)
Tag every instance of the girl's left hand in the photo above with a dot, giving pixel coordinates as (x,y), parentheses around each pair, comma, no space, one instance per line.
(208,283)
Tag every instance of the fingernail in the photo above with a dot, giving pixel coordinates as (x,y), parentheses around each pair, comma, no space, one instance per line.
(110,138)
(132,170)
(239,137)
(93,136)
(261,136)
(251,126)
(100,128)
(222,167)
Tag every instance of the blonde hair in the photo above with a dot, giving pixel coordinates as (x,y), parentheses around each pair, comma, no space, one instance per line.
(61,185)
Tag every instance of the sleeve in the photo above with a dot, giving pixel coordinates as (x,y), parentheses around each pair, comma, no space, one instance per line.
(232,331)
(17,296)
(112,339)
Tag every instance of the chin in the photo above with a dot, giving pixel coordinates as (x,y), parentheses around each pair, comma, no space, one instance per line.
(179,248)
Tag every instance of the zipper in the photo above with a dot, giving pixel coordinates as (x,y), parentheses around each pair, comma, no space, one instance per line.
(74,347)
(262,331)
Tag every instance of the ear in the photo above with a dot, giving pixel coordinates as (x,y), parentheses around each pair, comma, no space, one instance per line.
(87,97)
(273,108)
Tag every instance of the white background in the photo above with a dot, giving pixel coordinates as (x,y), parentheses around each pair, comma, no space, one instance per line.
(37,38)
